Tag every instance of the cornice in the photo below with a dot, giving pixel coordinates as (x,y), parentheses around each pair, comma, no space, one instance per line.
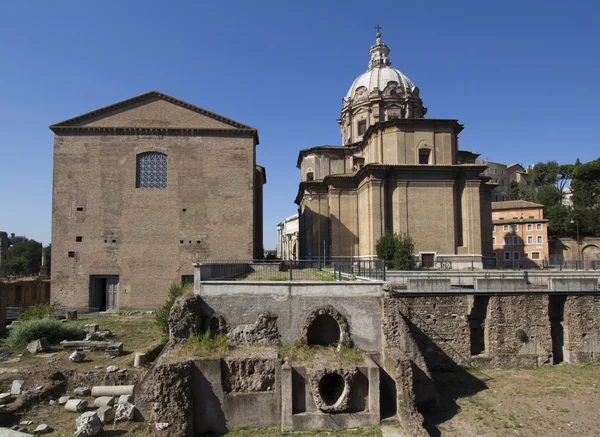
(159,131)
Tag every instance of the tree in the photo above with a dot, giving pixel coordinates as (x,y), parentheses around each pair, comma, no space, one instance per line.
(24,257)
(396,250)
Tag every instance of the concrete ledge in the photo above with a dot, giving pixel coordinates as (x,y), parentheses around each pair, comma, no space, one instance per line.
(500,284)
(429,284)
(573,284)
(290,289)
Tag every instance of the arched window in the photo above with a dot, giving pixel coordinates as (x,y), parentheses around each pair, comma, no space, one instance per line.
(310,176)
(151,170)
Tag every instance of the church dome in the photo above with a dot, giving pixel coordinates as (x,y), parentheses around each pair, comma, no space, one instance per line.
(381,93)
(378,79)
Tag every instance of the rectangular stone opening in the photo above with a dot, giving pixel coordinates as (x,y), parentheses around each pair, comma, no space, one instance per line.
(477,324)
(556,311)
(103,292)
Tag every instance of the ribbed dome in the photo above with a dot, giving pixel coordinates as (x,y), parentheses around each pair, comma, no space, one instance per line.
(378,78)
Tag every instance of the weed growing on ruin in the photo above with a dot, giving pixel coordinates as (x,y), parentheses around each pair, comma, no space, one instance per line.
(162,315)
(39,311)
(51,329)
(298,351)
(207,344)
(521,335)
(349,354)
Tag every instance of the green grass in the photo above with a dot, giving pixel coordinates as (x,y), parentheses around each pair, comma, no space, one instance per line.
(206,345)
(137,332)
(297,351)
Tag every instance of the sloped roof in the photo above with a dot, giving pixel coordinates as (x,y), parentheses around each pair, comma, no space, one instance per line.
(515,204)
(77,123)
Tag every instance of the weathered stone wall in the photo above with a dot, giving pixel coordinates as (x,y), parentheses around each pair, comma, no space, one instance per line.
(506,315)
(241,303)
(582,329)
(505,330)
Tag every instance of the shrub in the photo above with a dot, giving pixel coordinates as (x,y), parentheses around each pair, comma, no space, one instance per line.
(207,344)
(39,311)
(521,335)
(53,330)
(162,315)
(396,250)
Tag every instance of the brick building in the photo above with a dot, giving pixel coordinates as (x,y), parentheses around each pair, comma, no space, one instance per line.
(519,233)
(395,172)
(144,188)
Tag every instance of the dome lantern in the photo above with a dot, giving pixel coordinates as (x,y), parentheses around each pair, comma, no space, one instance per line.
(381,93)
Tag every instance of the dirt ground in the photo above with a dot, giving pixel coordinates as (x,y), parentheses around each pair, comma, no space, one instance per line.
(547,401)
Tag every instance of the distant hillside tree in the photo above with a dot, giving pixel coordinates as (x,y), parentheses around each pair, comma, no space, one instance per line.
(24,257)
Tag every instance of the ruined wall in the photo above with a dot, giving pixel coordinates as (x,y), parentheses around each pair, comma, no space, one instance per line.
(495,330)
(582,329)
(241,303)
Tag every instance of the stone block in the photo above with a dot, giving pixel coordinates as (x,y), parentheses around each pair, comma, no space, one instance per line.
(77,357)
(5,398)
(43,429)
(39,345)
(71,314)
(82,391)
(91,327)
(103,401)
(139,359)
(64,399)
(106,414)
(125,412)
(17,387)
(76,405)
(124,399)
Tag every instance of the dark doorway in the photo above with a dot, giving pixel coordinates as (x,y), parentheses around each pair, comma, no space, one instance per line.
(103,292)
(477,324)
(556,312)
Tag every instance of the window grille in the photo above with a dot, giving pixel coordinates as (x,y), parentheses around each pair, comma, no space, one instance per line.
(151,170)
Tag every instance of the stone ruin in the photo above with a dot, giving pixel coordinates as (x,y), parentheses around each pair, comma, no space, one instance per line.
(404,339)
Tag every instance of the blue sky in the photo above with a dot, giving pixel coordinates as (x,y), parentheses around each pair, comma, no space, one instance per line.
(522,76)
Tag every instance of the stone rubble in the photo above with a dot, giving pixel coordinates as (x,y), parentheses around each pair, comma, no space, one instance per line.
(161,426)
(82,391)
(103,401)
(43,429)
(5,398)
(17,387)
(125,412)
(77,357)
(112,369)
(76,405)
(64,399)
(39,345)
(88,425)
(124,399)
(106,414)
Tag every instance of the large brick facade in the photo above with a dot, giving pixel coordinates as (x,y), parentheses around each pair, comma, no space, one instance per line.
(108,233)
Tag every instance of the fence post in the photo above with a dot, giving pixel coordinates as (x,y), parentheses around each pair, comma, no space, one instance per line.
(290,268)
(383,265)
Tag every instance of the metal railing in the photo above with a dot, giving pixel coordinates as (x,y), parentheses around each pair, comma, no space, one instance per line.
(291,270)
